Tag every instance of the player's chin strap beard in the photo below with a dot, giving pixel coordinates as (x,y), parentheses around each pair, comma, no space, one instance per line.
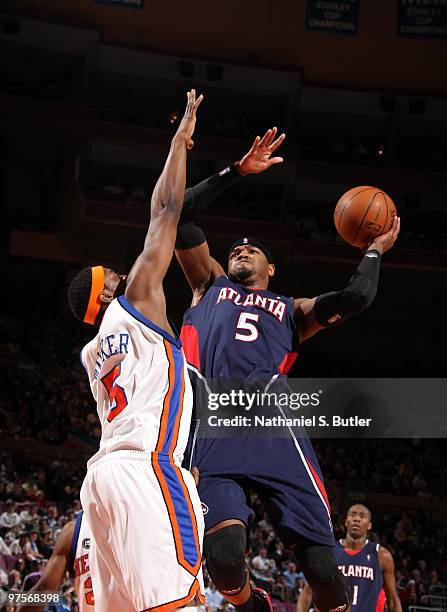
(241,277)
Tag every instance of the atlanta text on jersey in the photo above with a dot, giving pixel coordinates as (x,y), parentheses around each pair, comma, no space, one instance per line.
(275,306)
(357,571)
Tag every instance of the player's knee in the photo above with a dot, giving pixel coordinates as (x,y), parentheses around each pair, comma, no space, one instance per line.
(328,584)
(224,552)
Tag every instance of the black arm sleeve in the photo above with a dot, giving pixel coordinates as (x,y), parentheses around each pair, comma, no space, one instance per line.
(197,198)
(337,306)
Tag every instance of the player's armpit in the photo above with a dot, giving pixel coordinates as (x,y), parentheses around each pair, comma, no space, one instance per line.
(389,580)
(199,268)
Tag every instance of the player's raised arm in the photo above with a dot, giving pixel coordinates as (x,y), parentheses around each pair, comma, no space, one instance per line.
(304,600)
(313,315)
(192,250)
(389,580)
(55,569)
(144,284)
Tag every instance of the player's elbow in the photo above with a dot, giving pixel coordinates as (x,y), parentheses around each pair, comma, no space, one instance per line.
(357,299)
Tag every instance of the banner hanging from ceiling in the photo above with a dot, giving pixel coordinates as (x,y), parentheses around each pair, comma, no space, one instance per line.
(138,4)
(422,18)
(333,17)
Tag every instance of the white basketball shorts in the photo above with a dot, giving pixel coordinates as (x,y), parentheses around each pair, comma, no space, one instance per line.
(147,524)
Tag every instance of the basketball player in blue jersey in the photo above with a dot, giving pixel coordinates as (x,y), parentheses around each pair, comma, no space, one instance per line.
(237,329)
(71,553)
(368,567)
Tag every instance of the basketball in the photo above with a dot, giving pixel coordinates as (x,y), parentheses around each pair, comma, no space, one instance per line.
(362,214)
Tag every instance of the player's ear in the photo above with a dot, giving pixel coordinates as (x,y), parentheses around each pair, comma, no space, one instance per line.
(272,270)
(106,296)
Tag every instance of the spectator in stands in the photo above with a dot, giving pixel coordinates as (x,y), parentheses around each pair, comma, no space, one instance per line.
(33,535)
(420,587)
(25,515)
(265,524)
(277,553)
(291,576)
(422,567)
(9,519)
(22,547)
(213,598)
(279,589)
(15,580)
(434,580)
(263,567)
(4,548)
(3,578)
(52,515)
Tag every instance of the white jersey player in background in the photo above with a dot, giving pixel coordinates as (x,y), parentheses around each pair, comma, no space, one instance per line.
(142,507)
(71,553)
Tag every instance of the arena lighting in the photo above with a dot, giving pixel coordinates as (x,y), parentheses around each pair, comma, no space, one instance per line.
(173,117)
(11,27)
(380,151)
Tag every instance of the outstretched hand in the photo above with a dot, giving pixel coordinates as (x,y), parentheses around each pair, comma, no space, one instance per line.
(188,123)
(384,242)
(259,157)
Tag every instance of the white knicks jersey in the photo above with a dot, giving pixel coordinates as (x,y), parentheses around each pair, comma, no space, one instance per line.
(137,374)
(80,549)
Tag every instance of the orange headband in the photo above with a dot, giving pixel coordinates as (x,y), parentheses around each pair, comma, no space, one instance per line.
(94,302)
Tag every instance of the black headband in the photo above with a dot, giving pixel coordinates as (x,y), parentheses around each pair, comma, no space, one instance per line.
(252,242)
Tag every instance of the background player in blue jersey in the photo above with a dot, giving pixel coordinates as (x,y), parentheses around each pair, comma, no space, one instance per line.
(368,567)
(237,328)
(62,561)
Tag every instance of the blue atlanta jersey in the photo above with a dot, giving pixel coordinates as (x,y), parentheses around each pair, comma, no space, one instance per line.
(364,575)
(245,336)
(239,332)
